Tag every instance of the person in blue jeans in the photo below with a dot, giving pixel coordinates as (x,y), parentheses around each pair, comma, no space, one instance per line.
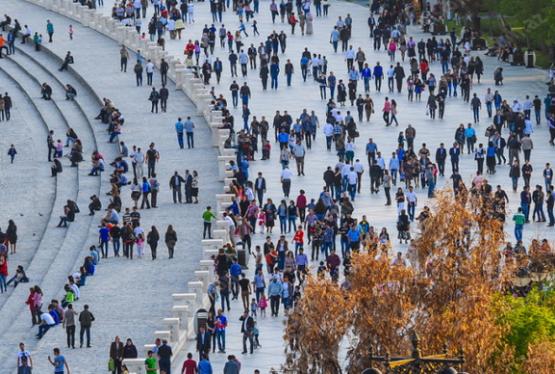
(221,324)
(519,220)
(525,201)
(292,216)
(274,73)
(282,214)
(104,239)
(189,130)
(328,240)
(179,129)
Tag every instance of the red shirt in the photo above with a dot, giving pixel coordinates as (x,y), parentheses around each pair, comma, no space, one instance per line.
(189,367)
(301,201)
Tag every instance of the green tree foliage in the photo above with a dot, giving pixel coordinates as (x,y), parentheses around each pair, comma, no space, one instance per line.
(536,17)
(530,319)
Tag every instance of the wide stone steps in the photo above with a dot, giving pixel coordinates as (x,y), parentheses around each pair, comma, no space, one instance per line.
(59,248)
(29,173)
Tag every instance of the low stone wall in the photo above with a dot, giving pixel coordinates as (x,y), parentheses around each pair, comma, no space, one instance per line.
(178,327)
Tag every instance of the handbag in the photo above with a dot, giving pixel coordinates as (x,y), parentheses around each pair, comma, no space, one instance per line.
(111,365)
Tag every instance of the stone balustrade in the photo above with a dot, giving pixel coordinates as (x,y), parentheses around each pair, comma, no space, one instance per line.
(175,328)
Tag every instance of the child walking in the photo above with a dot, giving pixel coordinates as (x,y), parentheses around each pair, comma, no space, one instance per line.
(262,305)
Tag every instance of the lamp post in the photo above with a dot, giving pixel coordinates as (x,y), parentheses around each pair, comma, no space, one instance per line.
(416,363)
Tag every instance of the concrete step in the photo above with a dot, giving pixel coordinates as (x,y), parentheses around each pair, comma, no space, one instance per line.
(59,248)
(27,131)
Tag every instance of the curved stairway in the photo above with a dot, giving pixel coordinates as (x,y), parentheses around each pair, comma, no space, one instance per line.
(59,249)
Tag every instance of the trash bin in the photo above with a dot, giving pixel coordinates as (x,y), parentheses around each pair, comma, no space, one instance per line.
(201,317)
(243,257)
(530,59)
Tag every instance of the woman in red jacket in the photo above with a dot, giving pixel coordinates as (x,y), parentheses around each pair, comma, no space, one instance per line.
(424,68)
(3,273)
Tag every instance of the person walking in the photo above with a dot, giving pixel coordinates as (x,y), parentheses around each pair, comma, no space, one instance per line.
(189,365)
(69,325)
(164,357)
(86,319)
(189,127)
(285,178)
(204,337)
(171,239)
(476,105)
(154,98)
(123,57)
(180,129)
(116,355)
(519,219)
(59,362)
(164,93)
(152,238)
(24,360)
(247,329)
(12,152)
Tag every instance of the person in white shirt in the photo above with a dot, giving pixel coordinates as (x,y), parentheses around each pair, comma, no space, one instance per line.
(517,108)
(149,68)
(24,360)
(488,99)
(352,179)
(230,225)
(390,78)
(138,158)
(527,107)
(359,169)
(350,57)
(315,62)
(46,323)
(75,290)
(328,132)
(286,176)
(138,230)
(249,193)
(411,202)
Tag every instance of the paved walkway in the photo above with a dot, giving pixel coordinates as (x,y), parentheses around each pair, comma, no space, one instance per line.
(128,298)
(519,81)
(118,295)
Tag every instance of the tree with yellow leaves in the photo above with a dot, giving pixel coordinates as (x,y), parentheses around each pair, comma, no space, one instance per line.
(447,297)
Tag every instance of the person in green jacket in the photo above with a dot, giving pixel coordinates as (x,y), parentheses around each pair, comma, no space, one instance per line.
(69,298)
(151,365)
(207,217)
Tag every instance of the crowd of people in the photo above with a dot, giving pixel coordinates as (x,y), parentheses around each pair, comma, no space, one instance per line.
(318,229)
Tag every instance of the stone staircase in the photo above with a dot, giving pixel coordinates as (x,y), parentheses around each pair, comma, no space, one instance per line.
(59,248)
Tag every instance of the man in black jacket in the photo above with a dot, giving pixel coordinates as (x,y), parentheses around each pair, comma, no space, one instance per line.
(203,342)
(164,68)
(247,329)
(175,186)
(86,319)
(441,155)
(164,94)
(164,357)
(260,188)
(399,74)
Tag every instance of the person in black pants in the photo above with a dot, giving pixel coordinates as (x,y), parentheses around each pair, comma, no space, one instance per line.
(67,60)
(86,319)
(164,94)
(247,327)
